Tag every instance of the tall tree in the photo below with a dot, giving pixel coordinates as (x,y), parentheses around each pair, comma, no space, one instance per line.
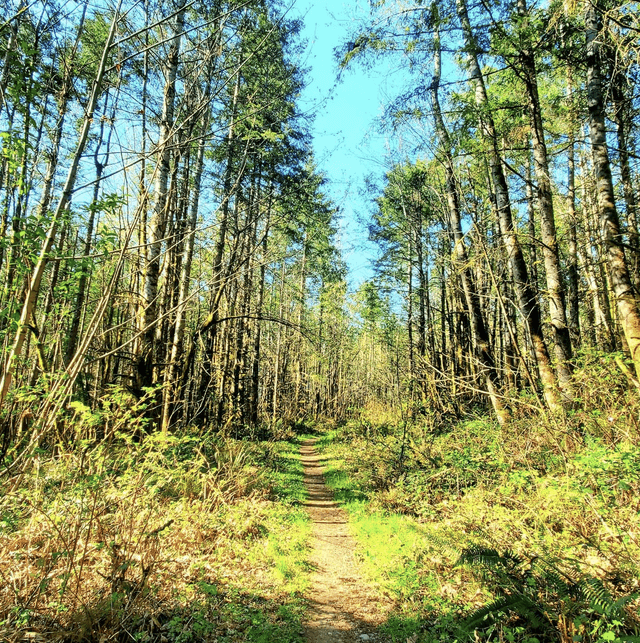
(626,301)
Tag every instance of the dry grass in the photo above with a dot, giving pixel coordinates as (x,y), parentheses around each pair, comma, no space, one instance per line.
(120,542)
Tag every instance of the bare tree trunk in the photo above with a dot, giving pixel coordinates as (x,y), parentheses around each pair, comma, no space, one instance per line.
(8,54)
(526,294)
(302,295)
(610,225)
(573,292)
(531,223)
(257,346)
(412,362)
(278,356)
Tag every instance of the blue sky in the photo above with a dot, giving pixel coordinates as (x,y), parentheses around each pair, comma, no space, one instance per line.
(346,144)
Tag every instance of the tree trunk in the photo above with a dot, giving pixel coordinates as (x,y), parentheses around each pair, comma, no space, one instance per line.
(158,224)
(481,341)
(621,118)
(172,391)
(84,278)
(610,225)
(527,297)
(555,288)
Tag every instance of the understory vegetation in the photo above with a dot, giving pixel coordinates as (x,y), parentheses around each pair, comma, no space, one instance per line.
(475,531)
(193,538)
(486,533)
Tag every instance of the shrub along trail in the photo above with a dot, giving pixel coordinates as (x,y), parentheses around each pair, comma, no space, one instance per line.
(342,607)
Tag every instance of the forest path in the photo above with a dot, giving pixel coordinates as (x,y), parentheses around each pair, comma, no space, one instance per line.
(342,607)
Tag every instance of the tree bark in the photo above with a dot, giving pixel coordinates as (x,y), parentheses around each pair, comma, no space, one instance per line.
(609,222)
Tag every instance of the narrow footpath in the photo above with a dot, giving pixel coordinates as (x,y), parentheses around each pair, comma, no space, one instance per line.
(342,607)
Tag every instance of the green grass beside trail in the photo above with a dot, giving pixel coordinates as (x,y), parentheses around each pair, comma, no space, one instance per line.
(195,538)
(485,534)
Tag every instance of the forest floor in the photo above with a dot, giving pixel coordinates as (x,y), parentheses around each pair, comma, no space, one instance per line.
(401,530)
(342,606)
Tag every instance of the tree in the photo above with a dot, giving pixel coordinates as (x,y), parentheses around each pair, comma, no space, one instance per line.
(610,225)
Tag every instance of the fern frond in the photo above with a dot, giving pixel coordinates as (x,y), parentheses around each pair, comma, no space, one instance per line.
(594,591)
(443,546)
(554,582)
(489,558)
(487,614)
(514,603)
(625,600)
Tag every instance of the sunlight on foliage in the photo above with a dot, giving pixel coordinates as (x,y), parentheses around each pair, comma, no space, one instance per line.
(180,537)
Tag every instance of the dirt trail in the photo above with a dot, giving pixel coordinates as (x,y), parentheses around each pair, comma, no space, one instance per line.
(342,607)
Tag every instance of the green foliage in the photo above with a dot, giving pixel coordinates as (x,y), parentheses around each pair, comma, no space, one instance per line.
(494,533)
(541,595)
(182,537)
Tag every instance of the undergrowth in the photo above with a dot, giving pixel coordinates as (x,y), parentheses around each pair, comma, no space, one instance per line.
(525,533)
(192,538)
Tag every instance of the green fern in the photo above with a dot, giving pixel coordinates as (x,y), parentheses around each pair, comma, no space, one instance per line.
(443,545)
(489,614)
(513,577)
(489,558)
(600,599)
(553,581)
(538,592)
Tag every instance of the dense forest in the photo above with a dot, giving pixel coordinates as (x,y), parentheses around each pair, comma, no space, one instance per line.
(176,312)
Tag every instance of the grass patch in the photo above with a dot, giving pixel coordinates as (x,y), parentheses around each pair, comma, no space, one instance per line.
(287,548)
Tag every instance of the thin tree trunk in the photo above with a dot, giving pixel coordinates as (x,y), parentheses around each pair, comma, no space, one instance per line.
(12,43)
(278,356)
(84,278)
(149,316)
(573,292)
(621,118)
(526,294)
(172,392)
(481,341)
(255,368)
(412,364)
(38,271)
(555,287)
